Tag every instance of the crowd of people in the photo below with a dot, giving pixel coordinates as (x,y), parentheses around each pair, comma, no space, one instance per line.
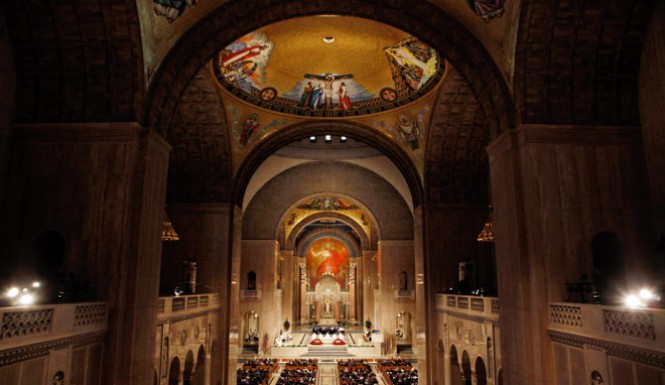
(327,330)
(394,362)
(402,376)
(357,376)
(257,362)
(256,372)
(297,377)
(311,363)
(253,376)
(352,363)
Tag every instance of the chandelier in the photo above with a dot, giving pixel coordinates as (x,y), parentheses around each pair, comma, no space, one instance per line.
(487,233)
(168,232)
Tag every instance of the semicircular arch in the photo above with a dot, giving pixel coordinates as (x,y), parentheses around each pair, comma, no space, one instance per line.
(350,129)
(262,216)
(365,241)
(424,20)
(343,236)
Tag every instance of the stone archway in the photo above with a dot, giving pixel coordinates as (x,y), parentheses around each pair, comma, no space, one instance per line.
(174,372)
(481,372)
(455,371)
(200,370)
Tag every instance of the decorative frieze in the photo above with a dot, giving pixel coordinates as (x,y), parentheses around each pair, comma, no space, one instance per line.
(642,356)
(629,323)
(26,323)
(23,353)
(92,314)
(567,315)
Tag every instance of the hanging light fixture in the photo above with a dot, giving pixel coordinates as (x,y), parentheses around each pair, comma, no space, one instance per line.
(168,232)
(487,233)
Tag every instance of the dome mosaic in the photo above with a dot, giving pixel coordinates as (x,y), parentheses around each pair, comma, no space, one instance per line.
(328,66)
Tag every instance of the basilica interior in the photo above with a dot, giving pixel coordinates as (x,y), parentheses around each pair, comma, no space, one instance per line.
(279,192)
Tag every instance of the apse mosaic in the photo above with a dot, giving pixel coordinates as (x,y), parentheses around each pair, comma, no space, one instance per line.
(328,67)
(326,203)
(327,256)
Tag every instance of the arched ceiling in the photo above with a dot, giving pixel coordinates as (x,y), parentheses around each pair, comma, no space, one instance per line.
(76,61)
(271,203)
(575,63)
(578,61)
(328,66)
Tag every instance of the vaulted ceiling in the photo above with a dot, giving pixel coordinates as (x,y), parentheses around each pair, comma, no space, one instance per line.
(559,62)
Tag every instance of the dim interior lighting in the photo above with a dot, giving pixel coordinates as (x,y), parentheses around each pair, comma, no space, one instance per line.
(487,233)
(13,292)
(168,231)
(329,39)
(36,284)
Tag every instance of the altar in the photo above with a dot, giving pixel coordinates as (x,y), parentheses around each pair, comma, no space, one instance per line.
(328,303)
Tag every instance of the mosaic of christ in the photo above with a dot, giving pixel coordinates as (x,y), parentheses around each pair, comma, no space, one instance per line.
(327,256)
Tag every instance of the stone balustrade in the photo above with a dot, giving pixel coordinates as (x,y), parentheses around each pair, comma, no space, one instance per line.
(186,305)
(30,325)
(485,307)
(642,328)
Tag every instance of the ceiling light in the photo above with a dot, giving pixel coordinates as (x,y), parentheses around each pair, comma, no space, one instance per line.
(328,39)
(328,138)
(342,139)
(312,139)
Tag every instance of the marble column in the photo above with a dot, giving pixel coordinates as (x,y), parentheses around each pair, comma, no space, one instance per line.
(554,189)
(304,307)
(352,292)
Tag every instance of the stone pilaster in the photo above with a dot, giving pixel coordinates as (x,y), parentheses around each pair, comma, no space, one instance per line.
(102,187)
(559,187)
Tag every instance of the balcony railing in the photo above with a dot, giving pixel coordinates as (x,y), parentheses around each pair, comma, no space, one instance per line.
(644,328)
(487,307)
(27,325)
(186,304)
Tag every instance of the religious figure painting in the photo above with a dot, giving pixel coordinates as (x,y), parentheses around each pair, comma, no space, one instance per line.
(327,256)
(328,91)
(243,63)
(487,9)
(172,9)
(315,82)
(250,130)
(413,64)
(327,203)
